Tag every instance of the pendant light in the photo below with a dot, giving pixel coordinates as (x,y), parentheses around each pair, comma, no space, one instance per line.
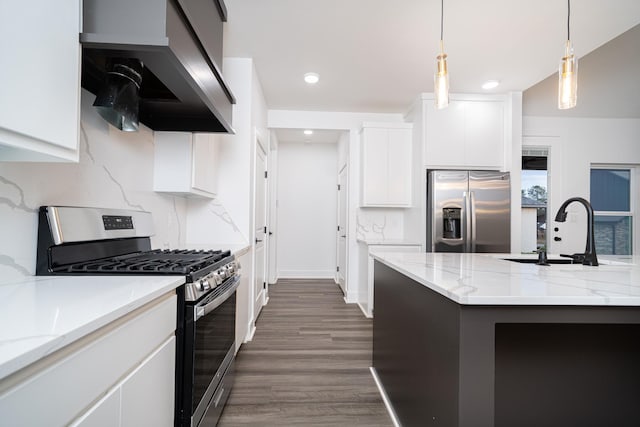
(568,72)
(441,78)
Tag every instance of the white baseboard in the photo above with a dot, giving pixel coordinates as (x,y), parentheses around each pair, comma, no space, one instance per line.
(385,398)
(350,298)
(251,331)
(364,311)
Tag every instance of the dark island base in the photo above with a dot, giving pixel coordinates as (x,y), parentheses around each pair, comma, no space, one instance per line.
(446,364)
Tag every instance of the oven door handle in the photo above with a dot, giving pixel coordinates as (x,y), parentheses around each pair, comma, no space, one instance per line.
(203,310)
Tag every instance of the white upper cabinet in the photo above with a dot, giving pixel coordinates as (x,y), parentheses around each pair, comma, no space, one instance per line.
(185,163)
(467,134)
(40,80)
(386,164)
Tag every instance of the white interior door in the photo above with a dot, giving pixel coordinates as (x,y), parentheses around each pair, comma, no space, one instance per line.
(341,238)
(260,244)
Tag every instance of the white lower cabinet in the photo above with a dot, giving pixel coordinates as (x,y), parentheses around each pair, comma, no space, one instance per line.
(366,268)
(144,397)
(110,377)
(148,393)
(105,413)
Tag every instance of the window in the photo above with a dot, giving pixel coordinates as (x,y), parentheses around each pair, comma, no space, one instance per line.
(612,190)
(534,199)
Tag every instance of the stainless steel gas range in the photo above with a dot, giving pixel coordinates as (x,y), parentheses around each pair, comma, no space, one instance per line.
(95,241)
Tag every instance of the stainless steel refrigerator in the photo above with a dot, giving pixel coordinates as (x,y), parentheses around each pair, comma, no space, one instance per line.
(468,211)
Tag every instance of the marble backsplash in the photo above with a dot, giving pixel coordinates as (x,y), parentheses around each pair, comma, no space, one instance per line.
(379,224)
(115,171)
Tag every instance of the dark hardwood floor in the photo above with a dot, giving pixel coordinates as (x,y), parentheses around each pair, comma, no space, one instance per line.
(308,363)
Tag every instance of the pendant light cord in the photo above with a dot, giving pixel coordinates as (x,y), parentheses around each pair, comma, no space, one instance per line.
(568,17)
(441,19)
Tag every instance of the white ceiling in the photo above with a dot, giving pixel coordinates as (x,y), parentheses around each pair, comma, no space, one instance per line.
(377,55)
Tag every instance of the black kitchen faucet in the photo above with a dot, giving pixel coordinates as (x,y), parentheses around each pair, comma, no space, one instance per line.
(589,256)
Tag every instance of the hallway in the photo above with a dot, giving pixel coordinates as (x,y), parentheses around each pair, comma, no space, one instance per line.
(308,363)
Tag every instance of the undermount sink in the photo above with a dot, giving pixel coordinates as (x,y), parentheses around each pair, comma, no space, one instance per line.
(535,260)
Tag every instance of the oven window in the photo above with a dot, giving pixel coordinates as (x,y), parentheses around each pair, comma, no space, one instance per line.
(215,334)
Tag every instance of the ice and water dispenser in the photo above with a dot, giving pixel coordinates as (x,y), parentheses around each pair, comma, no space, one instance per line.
(451,223)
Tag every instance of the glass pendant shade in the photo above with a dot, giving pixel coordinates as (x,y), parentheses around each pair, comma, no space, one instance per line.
(568,79)
(117,102)
(441,80)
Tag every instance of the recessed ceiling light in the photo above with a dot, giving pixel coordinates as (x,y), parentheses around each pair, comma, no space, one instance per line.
(308,132)
(311,78)
(490,84)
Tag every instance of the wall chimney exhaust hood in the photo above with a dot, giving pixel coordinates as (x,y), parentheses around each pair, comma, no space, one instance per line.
(179,43)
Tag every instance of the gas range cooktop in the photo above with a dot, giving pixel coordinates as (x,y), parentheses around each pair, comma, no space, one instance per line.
(180,262)
(96,241)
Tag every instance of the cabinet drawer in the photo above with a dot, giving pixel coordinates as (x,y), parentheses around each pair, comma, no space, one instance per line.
(55,390)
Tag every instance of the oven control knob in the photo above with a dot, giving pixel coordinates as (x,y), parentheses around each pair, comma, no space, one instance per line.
(204,285)
(219,276)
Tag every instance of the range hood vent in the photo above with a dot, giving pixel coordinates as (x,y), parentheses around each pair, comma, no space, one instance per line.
(180,45)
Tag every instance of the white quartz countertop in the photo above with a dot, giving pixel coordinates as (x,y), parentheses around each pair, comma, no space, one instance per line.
(486,279)
(41,314)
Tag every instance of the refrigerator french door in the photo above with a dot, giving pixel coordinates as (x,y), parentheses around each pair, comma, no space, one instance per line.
(468,211)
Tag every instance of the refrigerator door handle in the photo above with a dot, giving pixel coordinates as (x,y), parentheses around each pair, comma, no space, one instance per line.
(466,219)
(472,215)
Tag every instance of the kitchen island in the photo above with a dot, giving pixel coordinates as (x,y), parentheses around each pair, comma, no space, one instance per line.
(475,340)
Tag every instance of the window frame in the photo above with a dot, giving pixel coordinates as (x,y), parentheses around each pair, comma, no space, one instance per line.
(634,202)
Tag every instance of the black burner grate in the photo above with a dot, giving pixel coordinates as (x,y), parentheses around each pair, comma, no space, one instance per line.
(150,262)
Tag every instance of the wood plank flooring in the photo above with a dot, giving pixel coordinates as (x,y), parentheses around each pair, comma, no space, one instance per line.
(308,363)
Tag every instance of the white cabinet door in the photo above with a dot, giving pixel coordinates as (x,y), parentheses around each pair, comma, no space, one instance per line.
(185,163)
(467,134)
(148,393)
(39,80)
(105,413)
(399,167)
(484,134)
(374,166)
(445,134)
(386,165)
(204,157)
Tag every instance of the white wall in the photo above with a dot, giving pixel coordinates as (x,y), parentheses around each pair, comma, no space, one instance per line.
(307,197)
(582,142)
(115,170)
